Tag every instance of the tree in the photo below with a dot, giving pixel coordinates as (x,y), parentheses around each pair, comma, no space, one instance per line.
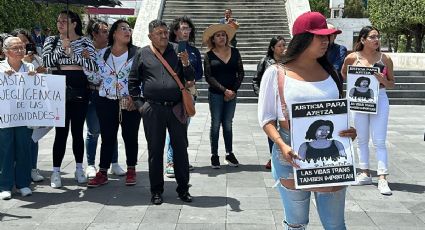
(132,21)
(321,6)
(401,17)
(355,9)
(27,14)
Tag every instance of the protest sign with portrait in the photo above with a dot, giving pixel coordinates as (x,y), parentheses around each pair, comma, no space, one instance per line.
(326,159)
(362,89)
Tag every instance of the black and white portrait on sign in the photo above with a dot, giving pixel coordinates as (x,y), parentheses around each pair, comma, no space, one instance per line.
(362,89)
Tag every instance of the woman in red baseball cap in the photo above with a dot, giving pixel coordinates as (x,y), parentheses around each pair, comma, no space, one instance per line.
(306,75)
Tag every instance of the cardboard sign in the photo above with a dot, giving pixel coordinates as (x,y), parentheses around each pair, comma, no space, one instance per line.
(362,89)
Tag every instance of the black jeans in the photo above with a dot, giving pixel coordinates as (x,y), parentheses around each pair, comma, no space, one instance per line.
(75,113)
(156,120)
(108,113)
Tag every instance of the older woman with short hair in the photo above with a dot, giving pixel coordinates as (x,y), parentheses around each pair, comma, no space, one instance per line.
(15,142)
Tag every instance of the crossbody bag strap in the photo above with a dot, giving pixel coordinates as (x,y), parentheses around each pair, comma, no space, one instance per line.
(281,72)
(167,66)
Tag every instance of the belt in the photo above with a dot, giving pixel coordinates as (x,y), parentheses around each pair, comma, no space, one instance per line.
(94,87)
(164,103)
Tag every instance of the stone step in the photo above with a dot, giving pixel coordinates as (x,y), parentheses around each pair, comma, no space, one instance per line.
(409,72)
(409,79)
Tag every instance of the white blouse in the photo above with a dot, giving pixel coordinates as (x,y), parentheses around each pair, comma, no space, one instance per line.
(295,91)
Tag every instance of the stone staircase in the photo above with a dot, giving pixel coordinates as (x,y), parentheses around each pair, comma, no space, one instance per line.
(260,20)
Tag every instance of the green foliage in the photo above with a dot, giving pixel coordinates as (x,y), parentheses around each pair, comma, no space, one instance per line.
(321,6)
(400,17)
(354,9)
(132,21)
(27,14)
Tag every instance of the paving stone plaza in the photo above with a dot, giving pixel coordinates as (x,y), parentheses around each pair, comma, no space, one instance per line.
(228,198)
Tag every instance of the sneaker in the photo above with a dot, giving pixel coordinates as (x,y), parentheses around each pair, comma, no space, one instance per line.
(268,165)
(363,179)
(25,191)
(215,162)
(98,180)
(80,176)
(231,160)
(191,168)
(6,195)
(131,177)
(383,187)
(91,171)
(36,176)
(55,180)
(117,170)
(169,170)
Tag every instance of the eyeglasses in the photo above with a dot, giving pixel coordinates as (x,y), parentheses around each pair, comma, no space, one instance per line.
(374,37)
(125,29)
(18,49)
(186,29)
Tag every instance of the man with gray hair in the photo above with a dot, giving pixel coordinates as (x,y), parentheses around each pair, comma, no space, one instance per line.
(160,95)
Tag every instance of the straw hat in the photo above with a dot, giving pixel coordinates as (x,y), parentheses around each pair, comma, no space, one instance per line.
(212,29)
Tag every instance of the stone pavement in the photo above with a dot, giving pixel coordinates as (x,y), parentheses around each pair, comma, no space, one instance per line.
(228,198)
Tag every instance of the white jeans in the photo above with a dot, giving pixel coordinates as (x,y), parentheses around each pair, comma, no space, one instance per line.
(376,126)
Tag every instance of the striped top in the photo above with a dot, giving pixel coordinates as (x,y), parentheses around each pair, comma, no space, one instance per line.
(51,58)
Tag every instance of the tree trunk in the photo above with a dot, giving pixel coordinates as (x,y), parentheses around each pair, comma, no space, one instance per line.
(419,36)
(408,43)
(396,43)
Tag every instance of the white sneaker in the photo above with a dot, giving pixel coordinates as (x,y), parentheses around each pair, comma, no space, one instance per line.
(383,187)
(55,180)
(25,191)
(363,179)
(91,171)
(36,176)
(6,195)
(80,176)
(117,170)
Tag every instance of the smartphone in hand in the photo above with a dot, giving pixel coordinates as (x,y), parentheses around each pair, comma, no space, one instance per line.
(182,46)
(380,66)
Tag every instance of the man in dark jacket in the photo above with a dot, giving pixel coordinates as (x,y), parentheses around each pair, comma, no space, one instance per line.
(336,53)
(161,93)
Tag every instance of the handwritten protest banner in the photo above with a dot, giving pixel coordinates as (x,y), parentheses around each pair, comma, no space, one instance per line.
(37,100)
(326,159)
(362,89)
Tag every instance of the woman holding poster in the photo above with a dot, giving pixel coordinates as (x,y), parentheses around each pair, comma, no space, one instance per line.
(15,142)
(308,76)
(368,54)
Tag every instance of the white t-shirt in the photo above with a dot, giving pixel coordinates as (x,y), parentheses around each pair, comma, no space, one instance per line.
(117,62)
(295,91)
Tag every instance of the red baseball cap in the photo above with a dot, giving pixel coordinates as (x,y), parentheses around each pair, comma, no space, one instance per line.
(314,23)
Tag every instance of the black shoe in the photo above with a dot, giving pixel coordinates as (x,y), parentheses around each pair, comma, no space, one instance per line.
(231,160)
(156,199)
(186,197)
(215,162)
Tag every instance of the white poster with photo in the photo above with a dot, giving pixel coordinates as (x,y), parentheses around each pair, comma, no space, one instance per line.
(37,100)
(326,159)
(362,89)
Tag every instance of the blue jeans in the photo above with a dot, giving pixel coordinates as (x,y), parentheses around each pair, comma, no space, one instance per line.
(222,113)
(34,153)
(330,205)
(15,158)
(93,131)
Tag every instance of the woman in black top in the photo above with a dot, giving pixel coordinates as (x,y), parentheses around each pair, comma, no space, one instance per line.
(64,54)
(224,73)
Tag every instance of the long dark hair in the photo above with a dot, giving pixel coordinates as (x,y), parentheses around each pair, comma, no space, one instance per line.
(175,25)
(114,28)
(74,18)
(93,27)
(299,44)
(273,42)
(364,32)
(312,129)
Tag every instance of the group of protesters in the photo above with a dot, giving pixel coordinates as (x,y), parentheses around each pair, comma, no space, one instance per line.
(111,83)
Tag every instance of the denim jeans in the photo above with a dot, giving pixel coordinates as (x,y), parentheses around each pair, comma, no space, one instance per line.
(330,205)
(222,113)
(34,153)
(15,158)
(93,131)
